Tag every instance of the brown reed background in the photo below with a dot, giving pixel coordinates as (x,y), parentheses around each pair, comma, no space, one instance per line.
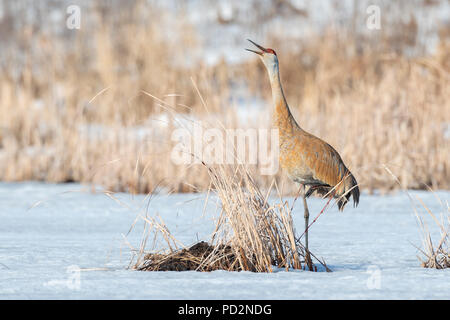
(72,106)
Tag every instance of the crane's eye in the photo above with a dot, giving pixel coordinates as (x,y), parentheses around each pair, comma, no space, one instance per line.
(271,51)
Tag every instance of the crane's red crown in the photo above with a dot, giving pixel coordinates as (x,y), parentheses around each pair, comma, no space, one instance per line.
(263,50)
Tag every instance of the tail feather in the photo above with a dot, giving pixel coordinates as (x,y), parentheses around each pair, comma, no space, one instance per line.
(350,189)
(343,192)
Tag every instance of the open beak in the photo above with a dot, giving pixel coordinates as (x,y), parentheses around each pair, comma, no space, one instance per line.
(259,47)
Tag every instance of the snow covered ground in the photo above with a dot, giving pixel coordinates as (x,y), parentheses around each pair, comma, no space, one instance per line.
(64,242)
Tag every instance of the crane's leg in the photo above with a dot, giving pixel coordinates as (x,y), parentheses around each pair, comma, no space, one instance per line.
(306,215)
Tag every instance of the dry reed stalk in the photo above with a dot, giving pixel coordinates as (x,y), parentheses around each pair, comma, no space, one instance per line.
(435,255)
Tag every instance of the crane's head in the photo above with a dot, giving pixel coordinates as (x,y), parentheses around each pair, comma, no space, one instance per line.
(267,55)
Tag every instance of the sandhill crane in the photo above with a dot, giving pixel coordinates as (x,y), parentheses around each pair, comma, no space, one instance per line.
(307,159)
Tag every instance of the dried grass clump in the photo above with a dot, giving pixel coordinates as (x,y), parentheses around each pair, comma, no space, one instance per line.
(264,233)
(250,233)
(436,255)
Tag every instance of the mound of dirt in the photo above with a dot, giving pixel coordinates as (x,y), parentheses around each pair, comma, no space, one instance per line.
(200,257)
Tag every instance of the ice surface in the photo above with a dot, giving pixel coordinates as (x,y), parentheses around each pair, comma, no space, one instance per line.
(49,231)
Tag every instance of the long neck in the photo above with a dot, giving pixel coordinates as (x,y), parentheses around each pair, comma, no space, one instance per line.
(283,118)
